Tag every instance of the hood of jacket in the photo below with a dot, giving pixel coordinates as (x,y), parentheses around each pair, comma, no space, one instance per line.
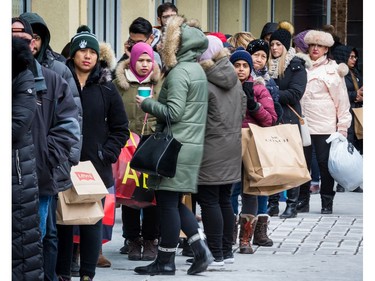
(123,83)
(219,70)
(308,62)
(182,41)
(39,27)
(342,53)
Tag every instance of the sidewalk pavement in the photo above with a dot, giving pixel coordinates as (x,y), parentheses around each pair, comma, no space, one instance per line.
(309,247)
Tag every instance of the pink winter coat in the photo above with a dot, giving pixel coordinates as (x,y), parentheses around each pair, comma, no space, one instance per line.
(325,102)
(265,115)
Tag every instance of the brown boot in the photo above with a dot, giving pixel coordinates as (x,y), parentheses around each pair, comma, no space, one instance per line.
(150,250)
(102,260)
(247,226)
(260,233)
(135,249)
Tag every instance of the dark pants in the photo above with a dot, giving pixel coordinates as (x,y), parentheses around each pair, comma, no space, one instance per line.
(322,154)
(174,216)
(90,245)
(50,243)
(217,217)
(136,224)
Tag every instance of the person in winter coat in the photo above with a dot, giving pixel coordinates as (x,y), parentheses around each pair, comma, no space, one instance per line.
(326,107)
(354,84)
(26,234)
(267,31)
(221,163)
(287,68)
(183,97)
(105,132)
(140,70)
(44,54)
(260,110)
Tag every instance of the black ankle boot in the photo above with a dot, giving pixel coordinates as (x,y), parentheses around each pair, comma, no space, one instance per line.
(327,203)
(303,205)
(163,265)
(273,205)
(291,204)
(202,255)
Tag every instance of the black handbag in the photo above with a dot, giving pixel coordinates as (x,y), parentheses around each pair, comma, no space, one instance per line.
(157,153)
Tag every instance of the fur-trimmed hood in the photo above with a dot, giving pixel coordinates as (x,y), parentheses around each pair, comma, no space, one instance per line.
(121,80)
(182,41)
(306,58)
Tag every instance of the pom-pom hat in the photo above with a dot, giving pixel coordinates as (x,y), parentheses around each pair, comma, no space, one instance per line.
(83,39)
(319,38)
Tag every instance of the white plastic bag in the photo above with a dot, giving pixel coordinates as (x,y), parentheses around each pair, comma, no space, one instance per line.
(345,163)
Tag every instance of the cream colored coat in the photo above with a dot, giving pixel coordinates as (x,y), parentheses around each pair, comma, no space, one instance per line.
(325,102)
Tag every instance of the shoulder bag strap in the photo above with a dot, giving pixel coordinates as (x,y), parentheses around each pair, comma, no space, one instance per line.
(146,115)
(302,122)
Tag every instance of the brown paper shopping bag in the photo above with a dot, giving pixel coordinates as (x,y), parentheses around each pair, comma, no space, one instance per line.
(88,187)
(78,214)
(273,159)
(358,122)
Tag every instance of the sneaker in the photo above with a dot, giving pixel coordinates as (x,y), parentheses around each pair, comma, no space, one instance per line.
(229,259)
(85,278)
(314,189)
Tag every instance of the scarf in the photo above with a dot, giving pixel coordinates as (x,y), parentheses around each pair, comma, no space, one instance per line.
(138,50)
(274,63)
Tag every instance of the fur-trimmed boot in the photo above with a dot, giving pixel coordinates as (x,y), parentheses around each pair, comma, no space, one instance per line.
(202,254)
(247,227)
(260,234)
(163,265)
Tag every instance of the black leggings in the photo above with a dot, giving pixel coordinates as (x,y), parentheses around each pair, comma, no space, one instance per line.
(174,216)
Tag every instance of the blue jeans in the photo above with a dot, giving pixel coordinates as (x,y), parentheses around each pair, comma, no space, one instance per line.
(236,191)
(44,202)
(262,204)
(50,242)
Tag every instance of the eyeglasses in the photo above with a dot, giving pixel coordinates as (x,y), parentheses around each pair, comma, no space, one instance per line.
(353,57)
(168,16)
(132,42)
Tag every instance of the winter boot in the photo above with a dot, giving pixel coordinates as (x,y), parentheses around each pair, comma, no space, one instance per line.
(247,227)
(102,260)
(327,203)
(273,205)
(202,254)
(163,265)
(260,233)
(235,230)
(291,204)
(150,250)
(303,205)
(135,249)
(186,249)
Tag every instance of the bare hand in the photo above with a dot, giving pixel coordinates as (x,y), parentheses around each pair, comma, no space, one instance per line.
(140,99)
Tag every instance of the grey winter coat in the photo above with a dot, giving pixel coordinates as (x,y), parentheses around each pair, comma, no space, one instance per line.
(184,95)
(221,163)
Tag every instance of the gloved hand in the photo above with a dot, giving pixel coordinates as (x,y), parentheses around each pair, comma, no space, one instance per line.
(248,89)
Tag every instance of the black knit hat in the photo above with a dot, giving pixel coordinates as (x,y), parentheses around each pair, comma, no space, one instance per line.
(241,54)
(82,40)
(257,45)
(26,26)
(283,36)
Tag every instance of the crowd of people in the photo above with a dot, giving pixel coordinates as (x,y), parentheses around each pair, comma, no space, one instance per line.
(84,105)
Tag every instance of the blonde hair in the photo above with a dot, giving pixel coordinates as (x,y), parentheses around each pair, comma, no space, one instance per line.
(241,39)
(280,64)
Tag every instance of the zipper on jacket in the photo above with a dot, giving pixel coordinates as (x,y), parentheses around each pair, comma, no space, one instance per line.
(18,167)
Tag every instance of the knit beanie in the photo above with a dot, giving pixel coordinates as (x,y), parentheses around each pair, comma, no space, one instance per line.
(299,41)
(283,36)
(258,45)
(241,54)
(214,46)
(137,50)
(82,40)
